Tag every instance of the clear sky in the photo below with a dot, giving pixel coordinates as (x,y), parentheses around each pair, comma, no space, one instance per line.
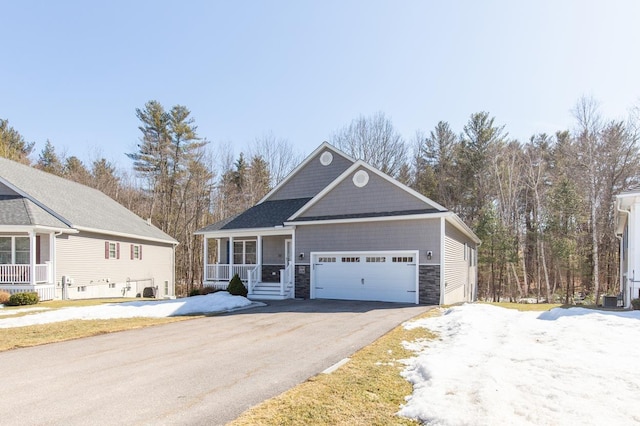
(75,71)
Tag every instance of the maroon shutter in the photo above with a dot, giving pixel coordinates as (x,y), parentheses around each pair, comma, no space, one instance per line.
(140,252)
(131,251)
(117,250)
(106,249)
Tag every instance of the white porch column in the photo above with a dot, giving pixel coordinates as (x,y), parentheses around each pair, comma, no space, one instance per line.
(206,257)
(259,251)
(52,258)
(219,251)
(230,258)
(32,256)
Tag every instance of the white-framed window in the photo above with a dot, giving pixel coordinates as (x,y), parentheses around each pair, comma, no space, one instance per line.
(111,250)
(15,250)
(136,252)
(244,252)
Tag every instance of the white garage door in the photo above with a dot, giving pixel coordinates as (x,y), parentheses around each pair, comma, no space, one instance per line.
(381,276)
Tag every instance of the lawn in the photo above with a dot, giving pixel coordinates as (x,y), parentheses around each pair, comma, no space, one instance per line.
(20,337)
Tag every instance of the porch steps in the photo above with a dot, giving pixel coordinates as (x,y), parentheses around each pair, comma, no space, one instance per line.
(266,291)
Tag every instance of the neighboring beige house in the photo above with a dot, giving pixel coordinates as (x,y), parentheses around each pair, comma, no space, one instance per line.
(337,228)
(65,240)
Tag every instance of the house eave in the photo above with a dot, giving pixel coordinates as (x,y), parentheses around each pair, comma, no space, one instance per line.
(248,232)
(36,228)
(127,235)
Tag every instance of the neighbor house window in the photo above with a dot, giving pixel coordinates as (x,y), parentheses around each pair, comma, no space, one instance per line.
(15,250)
(136,252)
(111,250)
(244,252)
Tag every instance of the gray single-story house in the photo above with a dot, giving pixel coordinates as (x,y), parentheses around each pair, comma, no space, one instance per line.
(62,239)
(337,228)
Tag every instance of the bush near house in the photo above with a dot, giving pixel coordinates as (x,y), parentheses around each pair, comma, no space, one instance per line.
(635,304)
(236,287)
(19,299)
(4,297)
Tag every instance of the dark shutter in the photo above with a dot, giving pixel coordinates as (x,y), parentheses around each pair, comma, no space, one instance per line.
(106,249)
(140,252)
(131,251)
(117,250)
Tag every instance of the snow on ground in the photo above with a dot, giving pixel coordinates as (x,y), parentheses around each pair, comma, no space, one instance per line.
(496,366)
(211,303)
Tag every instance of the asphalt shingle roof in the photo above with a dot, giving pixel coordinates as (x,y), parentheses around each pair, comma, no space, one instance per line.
(264,215)
(368,214)
(70,203)
(17,210)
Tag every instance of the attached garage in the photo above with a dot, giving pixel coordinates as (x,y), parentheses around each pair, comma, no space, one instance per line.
(390,276)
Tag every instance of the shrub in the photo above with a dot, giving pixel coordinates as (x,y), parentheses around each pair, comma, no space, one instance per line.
(4,297)
(208,290)
(19,299)
(194,292)
(236,287)
(635,304)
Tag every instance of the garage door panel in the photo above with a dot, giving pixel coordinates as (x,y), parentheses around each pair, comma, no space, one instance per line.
(365,276)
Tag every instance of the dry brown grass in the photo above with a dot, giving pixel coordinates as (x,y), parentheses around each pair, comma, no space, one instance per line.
(4,297)
(526,306)
(368,390)
(33,335)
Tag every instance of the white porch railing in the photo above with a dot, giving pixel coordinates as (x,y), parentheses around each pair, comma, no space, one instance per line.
(21,274)
(286,280)
(224,272)
(253,279)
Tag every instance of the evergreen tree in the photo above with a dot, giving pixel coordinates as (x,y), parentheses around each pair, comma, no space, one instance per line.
(13,145)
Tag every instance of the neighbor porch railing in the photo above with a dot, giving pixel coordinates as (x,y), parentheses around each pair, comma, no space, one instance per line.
(21,274)
(224,272)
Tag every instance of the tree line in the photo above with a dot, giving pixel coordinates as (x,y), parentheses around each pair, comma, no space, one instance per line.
(543,208)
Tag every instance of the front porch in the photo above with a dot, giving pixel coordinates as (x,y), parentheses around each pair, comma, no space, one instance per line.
(263,263)
(26,263)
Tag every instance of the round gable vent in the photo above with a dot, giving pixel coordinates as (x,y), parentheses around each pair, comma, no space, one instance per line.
(326,158)
(361,178)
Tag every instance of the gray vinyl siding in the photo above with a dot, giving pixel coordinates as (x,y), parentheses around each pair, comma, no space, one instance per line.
(459,276)
(273,250)
(378,195)
(82,257)
(421,235)
(312,178)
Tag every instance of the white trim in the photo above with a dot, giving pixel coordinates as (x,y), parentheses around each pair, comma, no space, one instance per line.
(248,232)
(353,168)
(415,253)
(36,228)
(323,145)
(126,235)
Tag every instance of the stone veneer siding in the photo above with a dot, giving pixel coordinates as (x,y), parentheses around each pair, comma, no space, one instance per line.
(429,284)
(303,281)
(267,273)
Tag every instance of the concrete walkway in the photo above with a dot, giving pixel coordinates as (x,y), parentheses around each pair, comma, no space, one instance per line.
(201,372)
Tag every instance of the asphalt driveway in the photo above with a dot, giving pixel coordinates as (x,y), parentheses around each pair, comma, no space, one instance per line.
(201,372)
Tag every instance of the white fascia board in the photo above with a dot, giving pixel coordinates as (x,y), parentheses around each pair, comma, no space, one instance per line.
(127,235)
(248,232)
(33,200)
(323,145)
(455,220)
(43,229)
(372,169)
(370,219)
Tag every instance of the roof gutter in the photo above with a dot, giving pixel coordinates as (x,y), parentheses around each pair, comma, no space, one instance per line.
(125,235)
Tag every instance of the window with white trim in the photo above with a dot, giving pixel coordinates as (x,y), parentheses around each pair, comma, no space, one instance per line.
(111,250)
(15,250)
(244,252)
(136,252)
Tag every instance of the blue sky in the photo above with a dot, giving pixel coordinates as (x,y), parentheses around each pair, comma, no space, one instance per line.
(75,71)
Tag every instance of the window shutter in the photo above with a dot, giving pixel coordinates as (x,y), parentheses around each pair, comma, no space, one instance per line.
(106,249)
(131,251)
(140,252)
(117,250)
